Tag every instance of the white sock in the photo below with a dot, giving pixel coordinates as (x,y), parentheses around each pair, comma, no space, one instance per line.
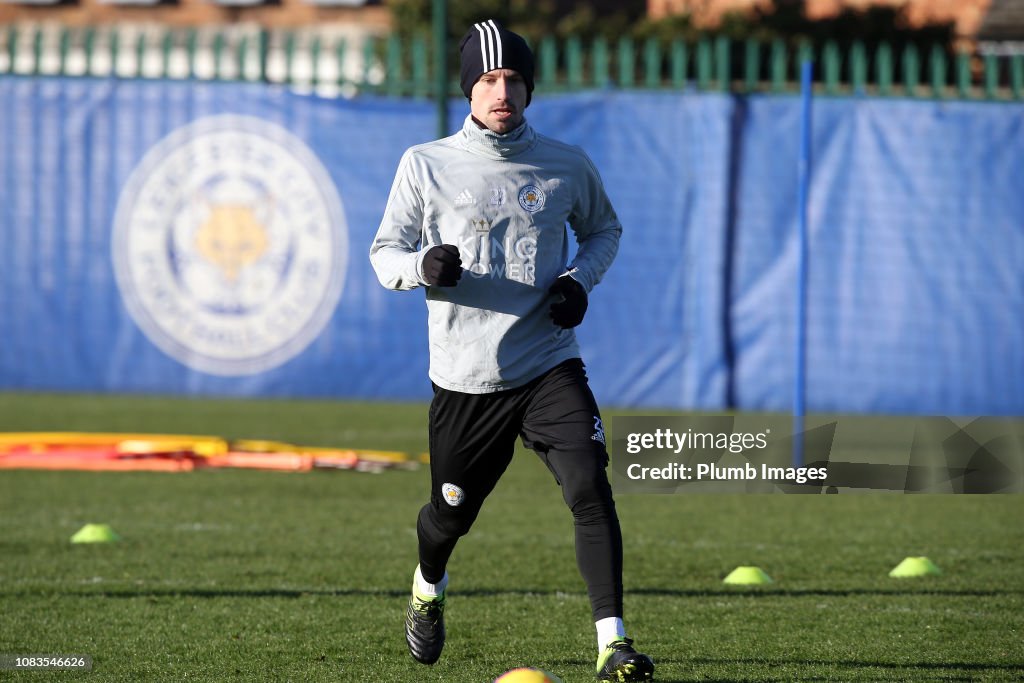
(430,590)
(609,629)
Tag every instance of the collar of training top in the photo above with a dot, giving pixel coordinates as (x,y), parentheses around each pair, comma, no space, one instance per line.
(487,143)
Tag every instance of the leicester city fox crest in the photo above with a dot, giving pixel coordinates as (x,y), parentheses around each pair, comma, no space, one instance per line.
(532,198)
(453,495)
(230,245)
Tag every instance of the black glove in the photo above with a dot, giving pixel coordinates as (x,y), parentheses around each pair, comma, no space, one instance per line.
(442,266)
(569,311)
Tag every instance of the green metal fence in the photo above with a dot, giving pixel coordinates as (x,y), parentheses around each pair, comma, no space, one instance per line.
(334,62)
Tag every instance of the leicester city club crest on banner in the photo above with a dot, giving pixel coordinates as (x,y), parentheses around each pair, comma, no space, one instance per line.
(230,245)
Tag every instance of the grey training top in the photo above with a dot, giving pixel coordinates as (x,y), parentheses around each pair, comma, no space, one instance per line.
(504,201)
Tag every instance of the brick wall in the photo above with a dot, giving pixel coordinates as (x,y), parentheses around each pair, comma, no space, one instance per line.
(287,13)
(967,14)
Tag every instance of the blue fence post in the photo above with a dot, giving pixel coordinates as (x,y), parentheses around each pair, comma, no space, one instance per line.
(439,22)
(803,174)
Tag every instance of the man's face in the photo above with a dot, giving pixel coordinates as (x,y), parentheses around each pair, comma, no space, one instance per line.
(498,101)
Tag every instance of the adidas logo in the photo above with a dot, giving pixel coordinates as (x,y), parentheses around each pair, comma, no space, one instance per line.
(465,197)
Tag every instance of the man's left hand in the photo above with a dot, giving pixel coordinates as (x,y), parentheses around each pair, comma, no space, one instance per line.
(569,311)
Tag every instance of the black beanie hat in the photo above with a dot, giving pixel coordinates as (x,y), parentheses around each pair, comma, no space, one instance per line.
(488,46)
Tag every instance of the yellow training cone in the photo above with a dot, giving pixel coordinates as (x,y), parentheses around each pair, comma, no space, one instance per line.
(95,533)
(914,566)
(747,576)
(527,675)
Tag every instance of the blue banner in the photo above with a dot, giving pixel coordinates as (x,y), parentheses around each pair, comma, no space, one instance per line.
(212,238)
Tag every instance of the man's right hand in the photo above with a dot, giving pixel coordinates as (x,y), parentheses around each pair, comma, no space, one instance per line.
(442,266)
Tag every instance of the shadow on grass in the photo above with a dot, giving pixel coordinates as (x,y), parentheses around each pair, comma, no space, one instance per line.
(770,592)
(291,593)
(755,592)
(948,671)
(968,669)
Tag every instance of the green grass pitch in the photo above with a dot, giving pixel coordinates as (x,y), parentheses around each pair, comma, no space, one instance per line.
(242,575)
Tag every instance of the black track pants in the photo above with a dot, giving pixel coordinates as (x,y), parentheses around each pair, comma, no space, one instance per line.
(472,439)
